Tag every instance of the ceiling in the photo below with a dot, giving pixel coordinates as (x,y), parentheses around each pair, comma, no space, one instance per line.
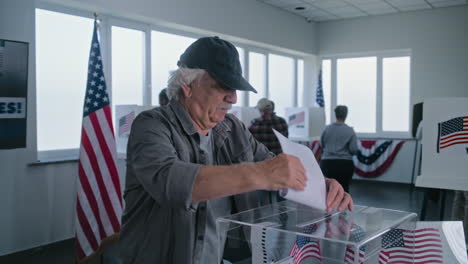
(325,10)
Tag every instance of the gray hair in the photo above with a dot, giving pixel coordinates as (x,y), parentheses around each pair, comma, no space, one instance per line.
(341,112)
(181,76)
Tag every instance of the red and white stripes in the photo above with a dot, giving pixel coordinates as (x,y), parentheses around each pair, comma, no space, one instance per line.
(99,196)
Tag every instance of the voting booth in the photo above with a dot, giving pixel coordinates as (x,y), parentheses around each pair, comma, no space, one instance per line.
(288,232)
(444,144)
(305,123)
(245,114)
(124,116)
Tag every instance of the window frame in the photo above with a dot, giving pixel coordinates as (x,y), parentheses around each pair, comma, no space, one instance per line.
(106,23)
(380,55)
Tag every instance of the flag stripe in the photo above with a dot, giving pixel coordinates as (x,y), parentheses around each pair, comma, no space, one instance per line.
(424,240)
(423,230)
(105,173)
(108,132)
(311,250)
(82,242)
(100,183)
(294,250)
(350,255)
(454,143)
(88,171)
(108,115)
(87,229)
(89,196)
(110,161)
(94,227)
(452,137)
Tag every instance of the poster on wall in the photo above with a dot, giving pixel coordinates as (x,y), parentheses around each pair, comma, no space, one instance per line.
(13,93)
(445,144)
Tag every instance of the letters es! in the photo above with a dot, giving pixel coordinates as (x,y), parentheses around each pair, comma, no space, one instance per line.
(11,108)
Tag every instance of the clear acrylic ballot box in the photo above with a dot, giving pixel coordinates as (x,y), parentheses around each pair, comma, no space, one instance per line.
(288,232)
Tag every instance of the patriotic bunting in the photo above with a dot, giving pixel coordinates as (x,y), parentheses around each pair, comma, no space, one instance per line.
(373,159)
(375,156)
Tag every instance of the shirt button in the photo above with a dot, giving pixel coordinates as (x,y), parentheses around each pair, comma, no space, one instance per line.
(200,237)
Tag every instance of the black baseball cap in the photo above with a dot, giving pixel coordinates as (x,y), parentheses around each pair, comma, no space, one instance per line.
(219,58)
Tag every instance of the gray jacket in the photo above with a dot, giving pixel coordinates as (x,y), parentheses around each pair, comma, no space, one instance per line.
(160,224)
(338,141)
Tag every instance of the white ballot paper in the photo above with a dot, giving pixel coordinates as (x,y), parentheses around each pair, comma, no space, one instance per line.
(314,194)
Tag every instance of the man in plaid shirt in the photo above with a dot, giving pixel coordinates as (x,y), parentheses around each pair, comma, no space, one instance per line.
(262,127)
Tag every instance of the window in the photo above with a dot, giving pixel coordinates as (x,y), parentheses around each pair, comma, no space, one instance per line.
(127,66)
(62,51)
(375,88)
(356,88)
(281,82)
(134,58)
(395,93)
(165,52)
(257,77)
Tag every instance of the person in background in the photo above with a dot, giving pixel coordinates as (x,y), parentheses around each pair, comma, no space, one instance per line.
(163,99)
(339,144)
(262,127)
(190,162)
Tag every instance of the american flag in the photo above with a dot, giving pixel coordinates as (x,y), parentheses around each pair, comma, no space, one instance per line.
(125,123)
(319,99)
(306,247)
(99,198)
(412,246)
(316,149)
(357,234)
(296,118)
(453,132)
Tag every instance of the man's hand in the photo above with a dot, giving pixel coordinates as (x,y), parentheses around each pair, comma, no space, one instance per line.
(337,197)
(283,171)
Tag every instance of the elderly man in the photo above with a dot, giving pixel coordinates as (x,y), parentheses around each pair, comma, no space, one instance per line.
(190,162)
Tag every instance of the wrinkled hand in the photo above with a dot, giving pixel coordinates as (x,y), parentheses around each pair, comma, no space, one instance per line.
(284,171)
(337,197)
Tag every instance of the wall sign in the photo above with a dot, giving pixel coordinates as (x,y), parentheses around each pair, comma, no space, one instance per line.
(13,93)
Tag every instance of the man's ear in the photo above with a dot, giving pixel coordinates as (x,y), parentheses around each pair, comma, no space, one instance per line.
(186,90)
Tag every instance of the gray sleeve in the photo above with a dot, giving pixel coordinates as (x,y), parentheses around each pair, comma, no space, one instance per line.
(353,147)
(153,160)
(322,139)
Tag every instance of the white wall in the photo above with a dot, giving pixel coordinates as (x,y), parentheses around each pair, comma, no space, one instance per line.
(437,38)
(37,203)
